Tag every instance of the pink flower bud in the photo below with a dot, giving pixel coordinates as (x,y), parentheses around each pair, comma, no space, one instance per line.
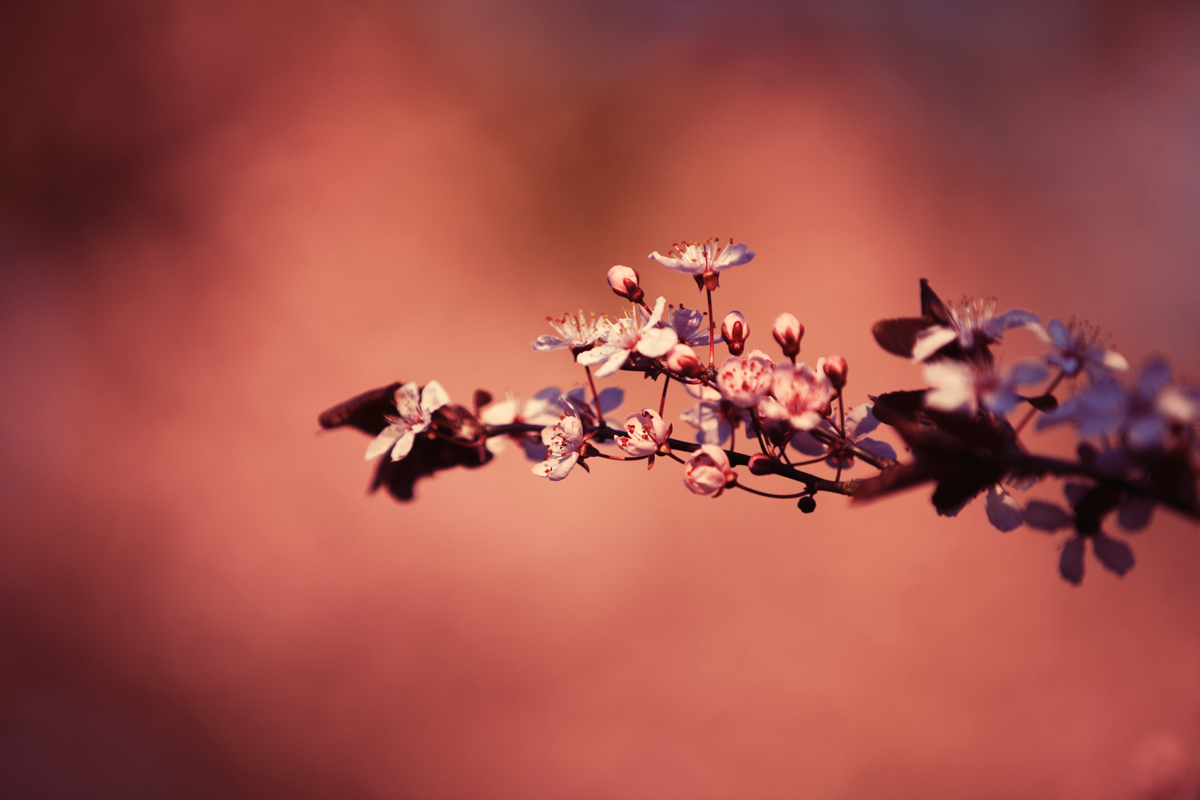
(624,282)
(735,330)
(837,370)
(708,471)
(788,332)
(682,359)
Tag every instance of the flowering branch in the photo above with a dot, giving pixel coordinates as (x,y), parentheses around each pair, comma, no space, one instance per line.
(1138,445)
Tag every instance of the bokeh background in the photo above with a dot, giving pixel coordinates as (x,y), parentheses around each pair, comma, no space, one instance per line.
(219,218)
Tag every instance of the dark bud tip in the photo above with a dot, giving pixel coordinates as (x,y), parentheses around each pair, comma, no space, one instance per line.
(807,504)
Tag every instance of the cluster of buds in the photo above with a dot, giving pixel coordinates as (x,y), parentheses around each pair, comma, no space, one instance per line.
(1138,448)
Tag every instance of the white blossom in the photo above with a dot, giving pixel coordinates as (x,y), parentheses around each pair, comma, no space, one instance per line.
(744,380)
(647,433)
(414,413)
(630,335)
(564,445)
(707,471)
(574,330)
(801,395)
(693,258)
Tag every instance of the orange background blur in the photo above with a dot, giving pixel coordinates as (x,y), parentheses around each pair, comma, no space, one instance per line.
(217,219)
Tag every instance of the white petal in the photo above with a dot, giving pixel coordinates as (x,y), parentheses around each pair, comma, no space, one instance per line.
(1114,361)
(860,421)
(1009,319)
(1027,372)
(497,444)
(502,413)
(614,363)
(384,441)
(677,264)
(657,342)
(403,446)
(732,256)
(611,398)
(563,468)
(953,387)
(808,445)
(590,358)
(546,342)
(433,397)
(656,315)
(1003,511)
(930,340)
(877,448)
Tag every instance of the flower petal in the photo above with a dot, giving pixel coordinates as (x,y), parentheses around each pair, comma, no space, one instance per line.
(1047,516)
(733,256)
(384,441)
(546,342)
(1013,318)
(1135,514)
(563,468)
(1070,563)
(403,445)
(1113,553)
(807,444)
(930,340)
(657,342)
(861,421)
(1003,510)
(613,363)
(877,448)
(433,397)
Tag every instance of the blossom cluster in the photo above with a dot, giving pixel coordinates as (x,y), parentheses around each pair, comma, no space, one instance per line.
(1138,445)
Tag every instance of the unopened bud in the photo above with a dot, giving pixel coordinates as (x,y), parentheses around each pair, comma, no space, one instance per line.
(807,504)
(788,332)
(761,464)
(735,330)
(682,360)
(624,282)
(837,370)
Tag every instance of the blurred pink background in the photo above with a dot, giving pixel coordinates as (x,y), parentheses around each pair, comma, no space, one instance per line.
(217,220)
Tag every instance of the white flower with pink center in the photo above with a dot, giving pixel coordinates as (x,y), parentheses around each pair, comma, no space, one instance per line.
(647,433)
(707,471)
(801,395)
(694,258)
(414,413)
(564,446)
(745,380)
(573,330)
(630,335)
